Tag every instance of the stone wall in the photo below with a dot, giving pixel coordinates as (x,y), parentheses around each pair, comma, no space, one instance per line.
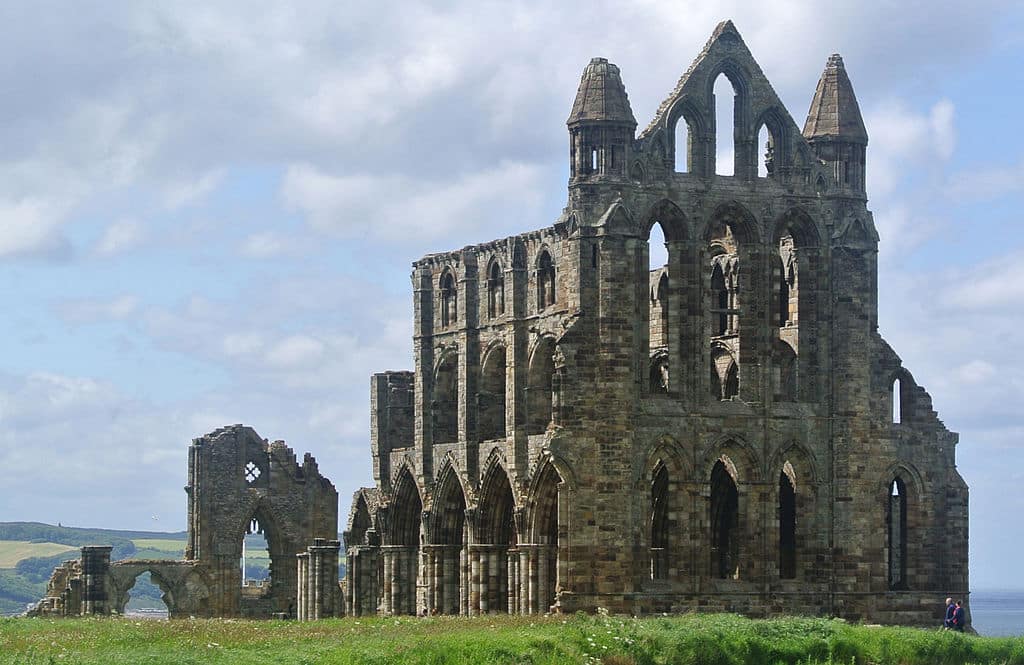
(589,430)
(238,483)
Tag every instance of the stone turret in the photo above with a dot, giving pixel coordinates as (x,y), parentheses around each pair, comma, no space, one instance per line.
(835,128)
(601,124)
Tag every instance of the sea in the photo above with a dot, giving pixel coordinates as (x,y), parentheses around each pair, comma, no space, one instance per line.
(998,613)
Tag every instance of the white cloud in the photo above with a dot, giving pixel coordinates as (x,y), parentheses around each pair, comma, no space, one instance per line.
(271,244)
(95,311)
(980,184)
(31,227)
(295,351)
(189,192)
(975,371)
(121,236)
(904,141)
(996,285)
(403,209)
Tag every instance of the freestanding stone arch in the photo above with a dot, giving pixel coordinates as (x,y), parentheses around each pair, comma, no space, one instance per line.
(234,477)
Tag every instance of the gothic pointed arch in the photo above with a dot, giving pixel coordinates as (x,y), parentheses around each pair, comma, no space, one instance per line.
(448,508)
(539,385)
(670,217)
(546,531)
(491,398)
(497,507)
(405,510)
(448,290)
(691,152)
(724,519)
(495,288)
(776,155)
(445,403)
(547,291)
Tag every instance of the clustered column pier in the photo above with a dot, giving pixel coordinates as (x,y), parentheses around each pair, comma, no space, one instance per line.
(318,580)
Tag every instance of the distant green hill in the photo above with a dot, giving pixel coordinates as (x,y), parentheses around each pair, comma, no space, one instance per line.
(32,546)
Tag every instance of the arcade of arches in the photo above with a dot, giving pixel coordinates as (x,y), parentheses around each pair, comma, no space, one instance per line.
(674,397)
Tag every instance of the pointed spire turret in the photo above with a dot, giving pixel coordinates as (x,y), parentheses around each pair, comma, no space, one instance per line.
(835,128)
(601,96)
(834,111)
(601,124)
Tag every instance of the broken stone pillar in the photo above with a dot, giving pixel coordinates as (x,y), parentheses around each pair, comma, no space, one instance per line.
(95,566)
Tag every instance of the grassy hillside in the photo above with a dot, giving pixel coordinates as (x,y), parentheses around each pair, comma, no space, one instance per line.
(691,639)
(29,551)
(13,551)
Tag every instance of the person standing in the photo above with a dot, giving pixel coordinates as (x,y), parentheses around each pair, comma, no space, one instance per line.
(959,617)
(947,622)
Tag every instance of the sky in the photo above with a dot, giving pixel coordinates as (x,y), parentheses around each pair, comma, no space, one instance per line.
(208,214)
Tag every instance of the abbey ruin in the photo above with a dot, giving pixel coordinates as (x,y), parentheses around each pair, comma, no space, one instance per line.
(238,483)
(724,432)
(727,431)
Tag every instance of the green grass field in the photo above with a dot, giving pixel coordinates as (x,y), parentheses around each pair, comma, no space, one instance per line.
(13,551)
(607,640)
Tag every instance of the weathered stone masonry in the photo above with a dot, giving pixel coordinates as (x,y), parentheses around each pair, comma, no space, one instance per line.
(238,483)
(580,431)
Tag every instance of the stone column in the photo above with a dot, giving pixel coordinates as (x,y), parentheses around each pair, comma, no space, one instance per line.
(512,560)
(474,580)
(532,580)
(464,581)
(542,579)
(95,566)
(484,580)
(387,591)
(302,565)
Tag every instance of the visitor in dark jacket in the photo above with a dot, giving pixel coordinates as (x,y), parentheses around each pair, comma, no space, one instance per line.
(959,617)
(947,622)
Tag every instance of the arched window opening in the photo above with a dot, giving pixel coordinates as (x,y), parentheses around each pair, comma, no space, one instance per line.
(787,526)
(657,248)
(732,382)
(442,559)
(721,301)
(545,280)
(659,378)
(449,300)
(402,562)
(659,524)
(897,528)
(539,384)
(546,530)
(445,406)
(658,308)
(145,599)
(897,401)
(724,523)
(720,297)
(491,398)
(255,563)
(784,279)
(682,164)
(724,374)
(498,535)
(784,372)
(495,291)
(725,121)
(765,142)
